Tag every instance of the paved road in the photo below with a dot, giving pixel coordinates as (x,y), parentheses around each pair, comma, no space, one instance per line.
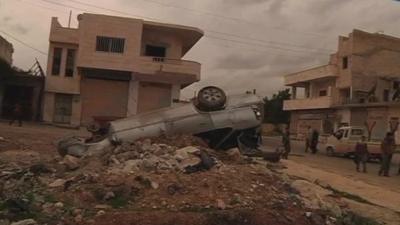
(339,165)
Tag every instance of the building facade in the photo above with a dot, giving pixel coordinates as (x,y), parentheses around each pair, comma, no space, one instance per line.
(6,50)
(116,67)
(360,86)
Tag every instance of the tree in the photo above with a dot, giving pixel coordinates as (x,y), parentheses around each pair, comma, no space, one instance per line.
(273,108)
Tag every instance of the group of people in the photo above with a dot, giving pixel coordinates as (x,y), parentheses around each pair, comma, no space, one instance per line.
(361,154)
(311,141)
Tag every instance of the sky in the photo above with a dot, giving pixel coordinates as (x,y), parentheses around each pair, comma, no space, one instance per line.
(248,44)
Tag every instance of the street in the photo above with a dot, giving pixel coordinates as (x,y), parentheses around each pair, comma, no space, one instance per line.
(338,165)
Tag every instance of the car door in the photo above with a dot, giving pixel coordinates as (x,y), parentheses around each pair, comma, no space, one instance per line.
(343,142)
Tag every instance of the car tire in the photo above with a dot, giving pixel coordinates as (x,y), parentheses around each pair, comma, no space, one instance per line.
(330,151)
(211,98)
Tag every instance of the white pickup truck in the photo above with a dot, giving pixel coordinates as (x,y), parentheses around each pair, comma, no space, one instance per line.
(344,140)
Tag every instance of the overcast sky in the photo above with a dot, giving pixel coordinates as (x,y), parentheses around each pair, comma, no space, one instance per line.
(248,43)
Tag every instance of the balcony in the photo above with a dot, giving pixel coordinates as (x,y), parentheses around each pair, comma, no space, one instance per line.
(308,103)
(174,70)
(326,71)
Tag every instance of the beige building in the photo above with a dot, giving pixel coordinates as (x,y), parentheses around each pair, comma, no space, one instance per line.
(116,67)
(6,50)
(360,85)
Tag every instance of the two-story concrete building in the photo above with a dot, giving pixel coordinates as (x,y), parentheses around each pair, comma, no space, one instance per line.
(360,86)
(116,67)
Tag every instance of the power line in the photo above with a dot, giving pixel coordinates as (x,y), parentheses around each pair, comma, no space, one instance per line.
(228,18)
(125,13)
(24,43)
(41,6)
(211,31)
(262,45)
(271,42)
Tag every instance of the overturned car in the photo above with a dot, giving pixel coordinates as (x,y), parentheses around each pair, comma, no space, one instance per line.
(221,121)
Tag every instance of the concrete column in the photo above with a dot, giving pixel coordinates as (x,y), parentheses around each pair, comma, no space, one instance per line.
(294,92)
(133,98)
(48,107)
(175,93)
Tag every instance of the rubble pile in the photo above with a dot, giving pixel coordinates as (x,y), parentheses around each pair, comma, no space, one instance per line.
(146,155)
(137,182)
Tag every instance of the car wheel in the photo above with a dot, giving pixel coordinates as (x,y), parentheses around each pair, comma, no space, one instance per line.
(330,151)
(211,98)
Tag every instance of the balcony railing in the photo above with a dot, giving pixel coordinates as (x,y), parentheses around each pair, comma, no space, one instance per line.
(156,65)
(308,103)
(325,71)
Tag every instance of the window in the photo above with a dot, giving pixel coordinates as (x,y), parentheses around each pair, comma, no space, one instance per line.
(109,44)
(56,67)
(323,93)
(155,51)
(345,62)
(386,95)
(70,64)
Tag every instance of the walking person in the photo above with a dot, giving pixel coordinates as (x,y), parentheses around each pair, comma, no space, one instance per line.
(17,114)
(286,143)
(308,138)
(361,154)
(387,148)
(314,141)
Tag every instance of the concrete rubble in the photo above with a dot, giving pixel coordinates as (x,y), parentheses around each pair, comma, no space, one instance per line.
(156,175)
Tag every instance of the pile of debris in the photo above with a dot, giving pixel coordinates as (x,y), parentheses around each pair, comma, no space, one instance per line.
(150,156)
(139,181)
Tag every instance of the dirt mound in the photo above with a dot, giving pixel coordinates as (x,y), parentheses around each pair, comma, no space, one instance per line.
(153,181)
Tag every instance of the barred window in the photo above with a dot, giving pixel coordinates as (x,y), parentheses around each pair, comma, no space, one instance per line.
(109,44)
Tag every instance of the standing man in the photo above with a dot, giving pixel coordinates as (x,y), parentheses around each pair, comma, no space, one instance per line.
(361,154)
(387,147)
(286,143)
(314,141)
(308,138)
(17,114)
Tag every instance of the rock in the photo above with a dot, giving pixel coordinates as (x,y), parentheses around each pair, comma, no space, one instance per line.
(150,164)
(114,160)
(59,205)
(57,183)
(154,185)
(109,195)
(78,218)
(221,204)
(183,153)
(234,154)
(192,161)
(308,214)
(100,213)
(132,165)
(71,162)
(25,222)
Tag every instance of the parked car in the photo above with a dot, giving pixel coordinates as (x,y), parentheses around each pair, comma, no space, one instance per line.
(222,121)
(343,142)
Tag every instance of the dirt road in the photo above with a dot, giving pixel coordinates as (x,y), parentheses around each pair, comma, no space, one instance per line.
(377,197)
(339,165)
